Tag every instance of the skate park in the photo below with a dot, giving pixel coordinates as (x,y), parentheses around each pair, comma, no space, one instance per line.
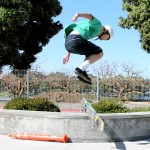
(37,62)
(78,126)
(121,131)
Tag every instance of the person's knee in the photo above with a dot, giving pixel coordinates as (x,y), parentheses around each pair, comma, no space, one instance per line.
(100,55)
(93,58)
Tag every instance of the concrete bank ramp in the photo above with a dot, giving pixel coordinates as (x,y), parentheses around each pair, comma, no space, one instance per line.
(117,127)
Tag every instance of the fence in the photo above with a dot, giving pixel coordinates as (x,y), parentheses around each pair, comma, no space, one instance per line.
(60,87)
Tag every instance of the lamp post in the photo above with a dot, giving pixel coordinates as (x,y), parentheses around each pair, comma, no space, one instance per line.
(27,82)
(97,87)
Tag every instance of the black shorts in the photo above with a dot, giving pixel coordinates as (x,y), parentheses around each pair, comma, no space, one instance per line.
(77,45)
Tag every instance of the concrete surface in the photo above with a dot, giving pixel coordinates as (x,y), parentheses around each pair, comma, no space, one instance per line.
(127,126)
(7,143)
(117,127)
(76,125)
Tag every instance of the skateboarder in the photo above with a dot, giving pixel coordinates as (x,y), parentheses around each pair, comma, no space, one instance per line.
(77,36)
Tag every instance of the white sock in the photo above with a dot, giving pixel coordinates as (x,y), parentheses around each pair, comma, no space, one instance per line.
(84,65)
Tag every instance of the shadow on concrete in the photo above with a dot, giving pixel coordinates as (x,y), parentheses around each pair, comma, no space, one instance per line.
(120,145)
(144,142)
(118,141)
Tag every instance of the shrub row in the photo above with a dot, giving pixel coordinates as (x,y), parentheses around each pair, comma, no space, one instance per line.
(37,104)
(110,106)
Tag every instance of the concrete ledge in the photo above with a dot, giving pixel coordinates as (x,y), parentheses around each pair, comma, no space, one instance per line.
(127,126)
(76,125)
(126,115)
(118,127)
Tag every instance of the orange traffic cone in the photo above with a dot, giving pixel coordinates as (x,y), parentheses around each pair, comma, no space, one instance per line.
(40,137)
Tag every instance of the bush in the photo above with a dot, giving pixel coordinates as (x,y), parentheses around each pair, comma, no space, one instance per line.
(31,104)
(110,106)
(140,109)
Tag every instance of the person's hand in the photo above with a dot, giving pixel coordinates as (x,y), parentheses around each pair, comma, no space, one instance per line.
(66,60)
(75,17)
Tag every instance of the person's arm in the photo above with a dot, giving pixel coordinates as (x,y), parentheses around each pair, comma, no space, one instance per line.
(66,58)
(84,15)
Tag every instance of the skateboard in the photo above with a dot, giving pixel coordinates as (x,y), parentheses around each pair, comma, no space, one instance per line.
(97,122)
(84,82)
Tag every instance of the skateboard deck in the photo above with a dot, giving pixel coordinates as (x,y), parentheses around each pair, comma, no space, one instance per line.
(95,118)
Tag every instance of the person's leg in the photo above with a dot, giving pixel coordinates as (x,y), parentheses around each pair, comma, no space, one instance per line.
(93,58)
(84,65)
(90,60)
(92,53)
(81,70)
(75,44)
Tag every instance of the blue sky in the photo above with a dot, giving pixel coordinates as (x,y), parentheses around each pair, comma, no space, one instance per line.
(123,48)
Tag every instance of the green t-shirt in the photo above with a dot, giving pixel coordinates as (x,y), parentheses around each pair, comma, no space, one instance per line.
(88,29)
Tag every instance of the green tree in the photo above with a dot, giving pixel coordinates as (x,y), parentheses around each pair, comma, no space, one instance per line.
(25,27)
(139,18)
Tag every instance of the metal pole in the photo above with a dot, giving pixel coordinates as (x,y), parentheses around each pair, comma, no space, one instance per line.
(97,87)
(27,83)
